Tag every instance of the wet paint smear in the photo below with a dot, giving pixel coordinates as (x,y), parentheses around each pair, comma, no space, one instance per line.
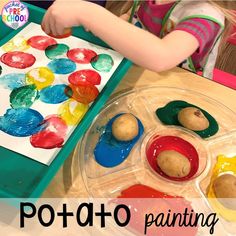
(82,93)
(162,143)
(56,50)
(85,77)
(54,94)
(19,60)
(110,152)
(72,111)
(52,136)
(18,43)
(169,115)
(41,42)
(41,77)
(143,199)
(81,55)
(13,80)
(102,62)
(62,66)
(21,122)
(24,96)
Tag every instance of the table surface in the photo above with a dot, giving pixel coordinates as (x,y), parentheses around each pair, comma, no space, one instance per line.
(68,181)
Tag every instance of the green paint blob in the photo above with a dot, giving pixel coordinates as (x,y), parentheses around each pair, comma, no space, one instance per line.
(56,50)
(24,97)
(102,62)
(168,115)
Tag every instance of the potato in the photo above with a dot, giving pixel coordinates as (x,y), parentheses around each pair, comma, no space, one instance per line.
(224,187)
(173,163)
(125,127)
(192,118)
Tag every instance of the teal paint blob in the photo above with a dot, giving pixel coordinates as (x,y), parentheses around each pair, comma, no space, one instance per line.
(54,94)
(62,66)
(102,63)
(56,50)
(21,122)
(24,96)
(13,80)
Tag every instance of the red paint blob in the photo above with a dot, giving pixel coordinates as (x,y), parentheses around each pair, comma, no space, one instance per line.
(41,42)
(143,200)
(52,136)
(67,33)
(162,143)
(85,77)
(82,93)
(19,60)
(81,55)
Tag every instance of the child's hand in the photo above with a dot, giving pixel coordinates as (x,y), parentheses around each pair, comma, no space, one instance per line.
(60,16)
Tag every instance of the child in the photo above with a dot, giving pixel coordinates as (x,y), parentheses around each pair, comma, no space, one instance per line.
(177,32)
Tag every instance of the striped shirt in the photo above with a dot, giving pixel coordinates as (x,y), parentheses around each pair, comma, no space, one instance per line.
(151,16)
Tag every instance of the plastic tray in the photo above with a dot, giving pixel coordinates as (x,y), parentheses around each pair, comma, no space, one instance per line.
(108,182)
(21,177)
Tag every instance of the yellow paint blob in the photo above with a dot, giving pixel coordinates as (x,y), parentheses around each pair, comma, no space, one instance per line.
(72,111)
(41,77)
(224,165)
(18,43)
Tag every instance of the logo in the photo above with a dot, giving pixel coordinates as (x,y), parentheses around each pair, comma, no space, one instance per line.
(15,14)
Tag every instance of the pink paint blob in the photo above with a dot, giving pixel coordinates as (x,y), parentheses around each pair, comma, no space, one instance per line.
(53,136)
(19,60)
(81,55)
(41,42)
(85,77)
(162,143)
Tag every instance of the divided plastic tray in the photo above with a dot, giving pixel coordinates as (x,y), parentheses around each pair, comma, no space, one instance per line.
(143,102)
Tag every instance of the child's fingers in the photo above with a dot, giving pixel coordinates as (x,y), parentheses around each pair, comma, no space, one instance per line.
(59,29)
(52,26)
(45,23)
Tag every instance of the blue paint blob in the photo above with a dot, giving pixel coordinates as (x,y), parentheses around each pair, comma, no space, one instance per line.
(62,66)
(110,152)
(13,80)
(54,94)
(21,122)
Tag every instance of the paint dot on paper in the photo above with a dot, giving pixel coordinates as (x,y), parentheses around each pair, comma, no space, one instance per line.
(62,66)
(16,44)
(85,77)
(41,77)
(102,62)
(56,50)
(110,152)
(41,42)
(54,94)
(72,111)
(81,55)
(24,96)
(82,93)
(19,60)
(53,135)
(21,122)
(13,80)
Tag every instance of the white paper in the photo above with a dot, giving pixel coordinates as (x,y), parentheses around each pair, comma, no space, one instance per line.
(22,145)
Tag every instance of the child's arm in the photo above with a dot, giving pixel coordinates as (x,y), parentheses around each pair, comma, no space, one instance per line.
(141,47)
